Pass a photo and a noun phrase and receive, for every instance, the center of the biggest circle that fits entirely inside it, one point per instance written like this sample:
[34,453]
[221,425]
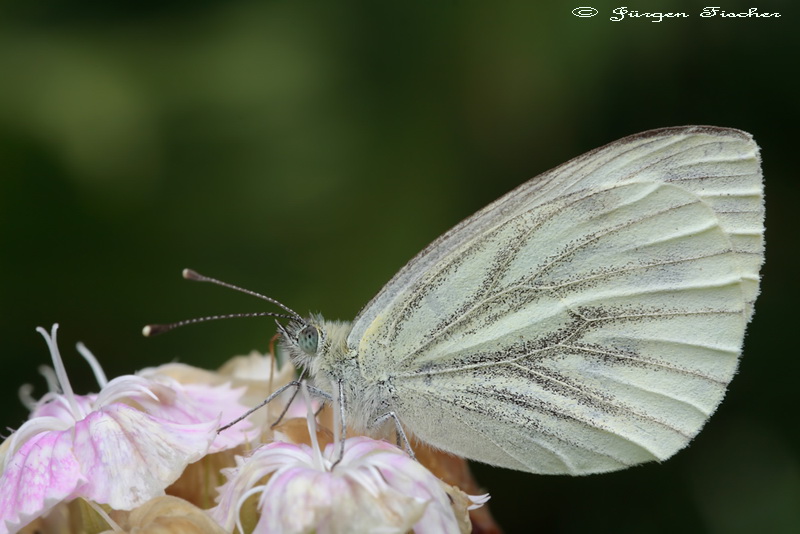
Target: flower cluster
[145,453]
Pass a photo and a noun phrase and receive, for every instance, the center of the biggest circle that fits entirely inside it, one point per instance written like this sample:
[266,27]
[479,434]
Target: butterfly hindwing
[589,319]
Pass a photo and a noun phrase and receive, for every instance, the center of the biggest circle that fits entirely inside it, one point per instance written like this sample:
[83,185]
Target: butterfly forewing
[588,320]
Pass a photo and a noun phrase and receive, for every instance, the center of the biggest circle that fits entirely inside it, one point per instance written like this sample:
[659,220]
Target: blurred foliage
[306,150]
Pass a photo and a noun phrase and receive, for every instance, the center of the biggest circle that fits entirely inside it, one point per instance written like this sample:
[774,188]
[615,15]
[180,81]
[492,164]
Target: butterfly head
[308,339]
[316,344]
[303,340]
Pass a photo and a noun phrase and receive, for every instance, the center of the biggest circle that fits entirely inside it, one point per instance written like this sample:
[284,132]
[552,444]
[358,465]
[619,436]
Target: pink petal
[129,457]
[249,471]
[223,402]
[195,403]
[412,479]
[59,407]
[42,473]
[403,475]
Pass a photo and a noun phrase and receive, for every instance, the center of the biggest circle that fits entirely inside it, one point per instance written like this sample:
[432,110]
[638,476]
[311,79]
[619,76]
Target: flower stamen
[61,372]
[99,374]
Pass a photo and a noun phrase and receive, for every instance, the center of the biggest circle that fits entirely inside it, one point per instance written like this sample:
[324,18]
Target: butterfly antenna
[155,329]
[190,274]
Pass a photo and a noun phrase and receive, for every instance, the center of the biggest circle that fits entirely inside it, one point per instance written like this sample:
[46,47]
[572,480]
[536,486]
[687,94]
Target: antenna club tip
[152,330]
[190,274]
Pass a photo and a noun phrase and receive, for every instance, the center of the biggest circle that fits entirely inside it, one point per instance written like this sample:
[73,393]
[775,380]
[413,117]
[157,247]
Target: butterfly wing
[588,320]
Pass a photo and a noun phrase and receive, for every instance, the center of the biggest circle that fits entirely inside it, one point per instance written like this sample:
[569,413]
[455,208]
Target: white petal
[130,457]
[42,473]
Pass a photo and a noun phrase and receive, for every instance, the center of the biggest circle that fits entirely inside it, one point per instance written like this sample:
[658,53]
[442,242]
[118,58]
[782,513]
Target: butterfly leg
[402,438]
[342,422]
[293,384]
[288,404]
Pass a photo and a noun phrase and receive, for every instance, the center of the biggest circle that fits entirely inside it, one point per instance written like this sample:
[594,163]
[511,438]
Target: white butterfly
[586,321]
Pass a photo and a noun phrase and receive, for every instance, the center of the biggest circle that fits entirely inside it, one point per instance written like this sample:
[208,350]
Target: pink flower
[120,447]
[131,442]
[376,487]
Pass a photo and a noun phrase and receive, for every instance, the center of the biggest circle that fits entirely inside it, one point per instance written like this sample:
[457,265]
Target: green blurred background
[307,150]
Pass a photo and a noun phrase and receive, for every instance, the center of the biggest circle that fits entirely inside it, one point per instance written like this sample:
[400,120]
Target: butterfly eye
[308,339]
